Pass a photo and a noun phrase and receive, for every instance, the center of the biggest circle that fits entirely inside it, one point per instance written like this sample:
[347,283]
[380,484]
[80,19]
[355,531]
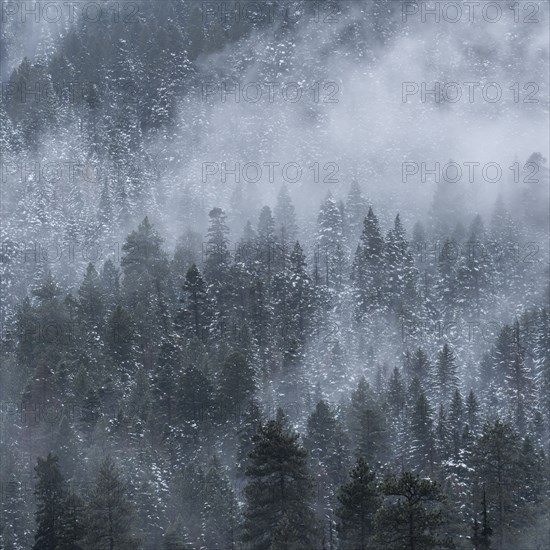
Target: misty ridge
[274,275]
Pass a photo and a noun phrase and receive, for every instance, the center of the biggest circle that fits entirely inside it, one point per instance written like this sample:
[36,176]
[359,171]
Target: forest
[195,359]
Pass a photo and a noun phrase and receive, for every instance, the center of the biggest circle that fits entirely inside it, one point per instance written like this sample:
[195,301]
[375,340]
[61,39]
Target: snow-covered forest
[274,275]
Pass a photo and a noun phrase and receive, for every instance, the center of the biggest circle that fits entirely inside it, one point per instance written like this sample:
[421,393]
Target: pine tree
[497,464]
[443,435]
[446,285]
[400,283]
[420,367]
[73,523]
[249,426]
[542,361]
[109,514]
[359,403]
[472,409]
[359,500]
[368,267]
[90,300]
[373,439]
[237,382]
[327,446]
[481,537]
[216,269]
[422,454]
[194,396]
[356,209]
[456,421]
[476,271]
[278,484]
[269,254]
[447,373]
[217,241]
[286,229]
[220,508]
[194,316]
[517,380]
[176,537]
[50,495]
[396,393]
[120,336]
[411,517]
[331,249]
[146,287]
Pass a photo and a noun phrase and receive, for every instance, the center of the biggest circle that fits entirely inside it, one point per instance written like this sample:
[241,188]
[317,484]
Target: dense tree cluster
[190,367]
[196,386]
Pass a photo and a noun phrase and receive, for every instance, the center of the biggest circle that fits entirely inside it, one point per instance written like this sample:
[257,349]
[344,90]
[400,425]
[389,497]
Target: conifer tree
[50,494]
[481,537]
[331,249]
[498,467]
[422,436]
[368,267]
[220,507]
[400,283]
[359,501]
[237,382]
[73,523]
[411,517]
[110,513]
[396,393]
[278,486]
[356,209]
[194,316]
[447,374]
[286,229]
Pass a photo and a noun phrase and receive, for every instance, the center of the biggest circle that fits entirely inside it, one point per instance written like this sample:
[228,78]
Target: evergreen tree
[220,506]
[331,250]
[109,513]
[472,408]
[446,286]
[237,382]
[396,393]
[456,420]
[359,501]
[50,494]
[411,517]
[481,537]
[542,361]
[496,460]
[400,283]
[176,538]
[286,229]
[322,440]
[146,287]
[420,367]
[73,523]
[216,269]
[447,374]
[368,267]
[422,453]
[269,253]
[517,380]
[278,486]
[194,317]
[356,209]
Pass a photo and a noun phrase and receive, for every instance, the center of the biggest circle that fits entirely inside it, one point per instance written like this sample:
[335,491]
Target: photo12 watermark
[70,11]
[261,12]
[469,92]
[470,11]
[254,172]
[269,92]
[468,172]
